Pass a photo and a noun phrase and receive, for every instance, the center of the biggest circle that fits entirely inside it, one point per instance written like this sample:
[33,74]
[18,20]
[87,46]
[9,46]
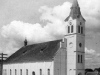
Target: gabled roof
[75,11]
[36,52]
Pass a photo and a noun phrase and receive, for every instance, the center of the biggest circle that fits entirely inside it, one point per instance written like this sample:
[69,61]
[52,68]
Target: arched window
[10,72]
[20,71]
[40,71]
[26,71]
[68,29]
[78,58]
[48,71]
[15,72]
[81,30]
[72,28]
[78,29]
[33,73]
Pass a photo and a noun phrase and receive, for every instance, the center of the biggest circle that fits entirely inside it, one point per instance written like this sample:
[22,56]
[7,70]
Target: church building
[59,57]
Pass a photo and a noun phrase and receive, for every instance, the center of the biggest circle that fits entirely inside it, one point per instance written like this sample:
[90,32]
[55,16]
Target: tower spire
[75,3]
[75,11]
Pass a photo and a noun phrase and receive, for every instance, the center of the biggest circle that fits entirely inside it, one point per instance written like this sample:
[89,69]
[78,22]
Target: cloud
[54,28]
[91,11]
[8,48]
[91,58]
[89,51]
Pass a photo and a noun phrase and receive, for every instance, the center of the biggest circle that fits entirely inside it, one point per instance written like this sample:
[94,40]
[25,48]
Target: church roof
[75,11]
[36,52]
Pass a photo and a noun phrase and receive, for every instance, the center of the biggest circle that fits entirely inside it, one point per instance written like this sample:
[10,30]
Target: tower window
[78,58]
[68,29]
[80,44]
[81,30]
[78,29]
[40,71]
[72,28]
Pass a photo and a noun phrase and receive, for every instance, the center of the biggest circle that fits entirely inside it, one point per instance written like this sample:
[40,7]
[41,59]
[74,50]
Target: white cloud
[9,48]
[91,12]
[89,51]
[55,27]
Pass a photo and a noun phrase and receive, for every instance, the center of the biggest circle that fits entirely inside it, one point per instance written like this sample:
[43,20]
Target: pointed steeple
[75,4]
[75,11]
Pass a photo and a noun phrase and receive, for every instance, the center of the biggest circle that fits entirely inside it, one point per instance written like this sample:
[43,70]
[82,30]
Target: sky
[43,20]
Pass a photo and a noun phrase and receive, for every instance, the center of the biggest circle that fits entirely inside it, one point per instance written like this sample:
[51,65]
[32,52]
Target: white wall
[60,60]
[36,66]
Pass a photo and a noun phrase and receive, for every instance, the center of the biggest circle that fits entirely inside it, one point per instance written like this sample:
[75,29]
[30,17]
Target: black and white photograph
[49,37]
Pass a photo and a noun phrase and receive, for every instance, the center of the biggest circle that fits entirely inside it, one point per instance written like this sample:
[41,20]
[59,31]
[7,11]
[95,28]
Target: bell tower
[75,41]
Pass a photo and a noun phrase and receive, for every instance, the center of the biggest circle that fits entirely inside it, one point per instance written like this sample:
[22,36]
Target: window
[20,71]
[10,72]
[15,72]
[72,28]
[80,44]
[80,23]
[78,29]
[78,58]
[81,30]
[33,73]
[81,59]
[48,71]
[40,71]
[26,71]
[68,29]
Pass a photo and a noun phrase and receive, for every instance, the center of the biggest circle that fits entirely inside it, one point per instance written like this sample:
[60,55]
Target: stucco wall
[60,60]
[36,66]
